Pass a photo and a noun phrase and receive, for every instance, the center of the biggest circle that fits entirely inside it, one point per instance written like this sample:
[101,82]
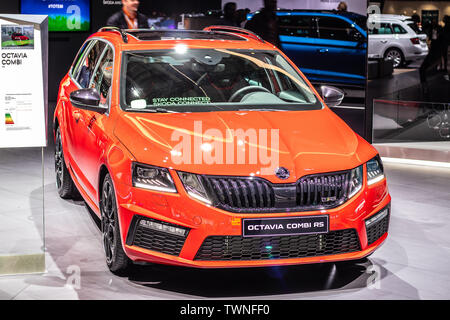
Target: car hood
[304,142]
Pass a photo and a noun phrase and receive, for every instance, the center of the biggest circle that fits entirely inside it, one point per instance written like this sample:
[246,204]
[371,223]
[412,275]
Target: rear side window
[297,26]
[103,75]
[385,28]
[88,63]
[334,28]
[398,29]
[415,27]
[78,62]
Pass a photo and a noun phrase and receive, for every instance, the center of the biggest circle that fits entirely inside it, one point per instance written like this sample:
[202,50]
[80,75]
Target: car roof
[350,17]
[348,14]
[396,17]
[211,37]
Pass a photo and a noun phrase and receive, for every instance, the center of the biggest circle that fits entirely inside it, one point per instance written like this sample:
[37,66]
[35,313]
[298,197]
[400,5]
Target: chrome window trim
[97,65]
[91,80]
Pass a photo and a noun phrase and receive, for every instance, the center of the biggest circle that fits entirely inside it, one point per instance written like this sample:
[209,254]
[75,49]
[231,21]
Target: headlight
[152,178]
[375,170]
[194,186]
[355,181]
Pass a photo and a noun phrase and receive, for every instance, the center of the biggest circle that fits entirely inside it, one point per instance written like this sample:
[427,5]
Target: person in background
[265,24]
[415,18]
[417,27]
[128,17]
[342,7]
[434,56]
[445,34]
[229,15]
[241,17]
[433,34]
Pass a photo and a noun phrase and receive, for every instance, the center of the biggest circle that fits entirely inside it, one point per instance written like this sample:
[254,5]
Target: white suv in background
[397,38]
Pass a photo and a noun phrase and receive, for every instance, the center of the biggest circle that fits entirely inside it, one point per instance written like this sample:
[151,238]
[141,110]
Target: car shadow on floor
[246,282]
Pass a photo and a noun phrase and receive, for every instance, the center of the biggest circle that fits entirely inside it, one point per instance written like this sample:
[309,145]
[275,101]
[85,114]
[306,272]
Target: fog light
[377,217]
[163,228]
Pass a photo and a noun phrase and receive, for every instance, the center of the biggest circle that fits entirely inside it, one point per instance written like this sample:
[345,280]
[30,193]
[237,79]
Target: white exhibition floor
[412,264]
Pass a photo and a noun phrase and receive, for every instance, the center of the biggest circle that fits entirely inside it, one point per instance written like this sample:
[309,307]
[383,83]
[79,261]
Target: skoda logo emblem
[282,173]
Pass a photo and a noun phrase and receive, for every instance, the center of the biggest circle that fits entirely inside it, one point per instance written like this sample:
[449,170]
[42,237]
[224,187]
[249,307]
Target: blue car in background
[327,47]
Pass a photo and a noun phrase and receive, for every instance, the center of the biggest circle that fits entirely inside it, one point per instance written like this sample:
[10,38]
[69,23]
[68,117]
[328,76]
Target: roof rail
[123,34]
[237,30]
[307,10]
[310,10]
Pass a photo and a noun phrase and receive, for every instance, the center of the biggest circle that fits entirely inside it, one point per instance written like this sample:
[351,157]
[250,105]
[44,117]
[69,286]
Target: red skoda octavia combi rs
[19,37]
[211,149]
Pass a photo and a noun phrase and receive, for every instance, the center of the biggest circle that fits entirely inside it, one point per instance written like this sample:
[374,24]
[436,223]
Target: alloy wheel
[59,161]
[395,56]
[108,209]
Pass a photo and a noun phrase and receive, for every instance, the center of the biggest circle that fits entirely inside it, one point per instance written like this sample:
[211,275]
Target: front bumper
[204,221]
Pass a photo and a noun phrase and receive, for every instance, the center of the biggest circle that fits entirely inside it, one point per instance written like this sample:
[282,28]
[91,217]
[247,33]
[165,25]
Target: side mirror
[88,99]
[332,95]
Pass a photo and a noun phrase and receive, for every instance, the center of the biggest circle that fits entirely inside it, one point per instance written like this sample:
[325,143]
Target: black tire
[396,55]
[64,184]
[116,259]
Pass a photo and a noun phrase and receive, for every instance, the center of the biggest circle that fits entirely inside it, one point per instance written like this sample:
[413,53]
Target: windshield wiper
[152,110]
[262,109]
[162,110]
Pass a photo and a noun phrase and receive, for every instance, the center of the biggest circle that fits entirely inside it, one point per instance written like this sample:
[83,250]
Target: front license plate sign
[261,227]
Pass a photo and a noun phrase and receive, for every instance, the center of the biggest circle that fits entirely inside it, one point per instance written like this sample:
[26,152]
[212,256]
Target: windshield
[197,80]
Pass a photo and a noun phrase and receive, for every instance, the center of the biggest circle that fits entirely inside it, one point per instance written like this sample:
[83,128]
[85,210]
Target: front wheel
[116,259]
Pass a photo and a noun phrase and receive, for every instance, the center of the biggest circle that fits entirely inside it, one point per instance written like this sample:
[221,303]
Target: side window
[88,64]
[398,29]
[79,59]
[334,28]
[103,75]
[297,26]
[385,28]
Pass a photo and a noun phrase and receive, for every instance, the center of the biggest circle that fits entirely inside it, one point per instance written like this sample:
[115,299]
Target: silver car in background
[397,38]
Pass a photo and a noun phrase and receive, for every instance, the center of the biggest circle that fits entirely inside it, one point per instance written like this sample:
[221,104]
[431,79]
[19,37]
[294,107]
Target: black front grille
[241,192]
[322,190]
[216,248]
[257,195]
[376,230]
[150,239]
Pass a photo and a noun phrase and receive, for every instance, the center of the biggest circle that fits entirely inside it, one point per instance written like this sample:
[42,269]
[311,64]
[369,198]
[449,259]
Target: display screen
[63,15]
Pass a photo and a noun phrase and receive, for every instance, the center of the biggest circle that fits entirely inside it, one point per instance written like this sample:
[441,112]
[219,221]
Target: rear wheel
[64,184]
[116,259]
[396,56]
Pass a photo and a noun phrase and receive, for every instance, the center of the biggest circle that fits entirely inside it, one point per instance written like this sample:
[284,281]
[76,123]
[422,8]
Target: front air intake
[377,225]
[156,235]
[217,248]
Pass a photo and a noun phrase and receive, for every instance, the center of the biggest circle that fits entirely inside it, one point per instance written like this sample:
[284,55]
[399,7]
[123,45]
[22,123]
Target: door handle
[77,115]
[383,41]
[322,50]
